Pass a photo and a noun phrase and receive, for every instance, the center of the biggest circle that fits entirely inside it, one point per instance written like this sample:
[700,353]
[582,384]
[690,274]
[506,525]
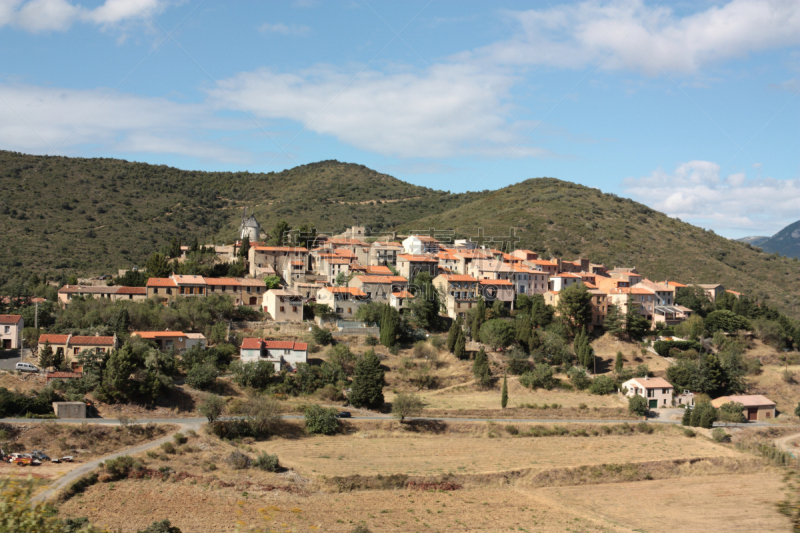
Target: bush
[371,340]
[321,420]
[406,405]
[202,377]
[689,432]
[163,526]
[518,362]
[663,348]
[168,447]
[578,378]
[239,461]
[732,412]
[602,385]
[212,407]
[718,434]
[256,374]
[267,462]
[702,415]
[120,467]
[321,336]
[637,405]
[438,342]
[330,393]
[541,377]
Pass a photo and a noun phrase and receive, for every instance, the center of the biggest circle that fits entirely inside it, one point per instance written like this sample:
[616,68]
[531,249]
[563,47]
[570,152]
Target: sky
[690,107]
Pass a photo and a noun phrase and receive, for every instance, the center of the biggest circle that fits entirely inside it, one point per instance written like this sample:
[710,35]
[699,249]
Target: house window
[8,329]
[281,309]
[76,351]
[651,393]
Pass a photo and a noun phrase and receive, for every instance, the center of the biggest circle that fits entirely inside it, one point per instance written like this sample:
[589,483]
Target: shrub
[330,393]
[179,439]
[541,377]
[512,429]
[438,342]
[602,385]
[238,460]
[120,467]
[321,336]
[168,447]
[732,412]
[162,526]
[642,371]
[211,407]
[256,374]
[202,377]
[689,432]
[371,340]
[663,348]
[702,415]
[637,405]
[643,427]
[267,462]
[718,434]
[578,378]
[321,420]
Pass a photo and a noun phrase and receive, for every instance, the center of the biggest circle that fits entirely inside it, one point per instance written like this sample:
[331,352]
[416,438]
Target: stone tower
[250,228]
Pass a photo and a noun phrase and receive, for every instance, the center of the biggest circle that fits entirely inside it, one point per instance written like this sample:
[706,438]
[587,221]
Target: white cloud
[630,34]
[698,193]
[283,29]
[446,110]
[63,121]
[59,15]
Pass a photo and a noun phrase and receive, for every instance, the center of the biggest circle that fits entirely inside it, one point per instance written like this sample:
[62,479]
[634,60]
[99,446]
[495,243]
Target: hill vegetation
[61,216]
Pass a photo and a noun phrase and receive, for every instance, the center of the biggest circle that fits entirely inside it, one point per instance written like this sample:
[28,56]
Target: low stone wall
[357,331]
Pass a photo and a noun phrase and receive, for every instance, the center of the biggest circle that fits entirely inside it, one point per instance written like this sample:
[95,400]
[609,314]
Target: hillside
[91,216]
[563,219]
[755,240]
[785,242]
[69,215]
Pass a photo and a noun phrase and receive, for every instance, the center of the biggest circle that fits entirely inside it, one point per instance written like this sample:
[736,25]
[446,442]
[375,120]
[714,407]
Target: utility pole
[36,317]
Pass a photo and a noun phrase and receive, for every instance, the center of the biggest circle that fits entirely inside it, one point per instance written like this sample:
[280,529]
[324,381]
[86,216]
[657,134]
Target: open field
[771,384]
[369,455]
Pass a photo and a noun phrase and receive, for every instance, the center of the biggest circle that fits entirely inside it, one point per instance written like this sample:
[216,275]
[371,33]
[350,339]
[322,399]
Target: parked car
[344,414]
[26,367]
[26,460]
[40,455]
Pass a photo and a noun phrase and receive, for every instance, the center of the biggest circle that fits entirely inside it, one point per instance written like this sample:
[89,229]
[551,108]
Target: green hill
[91,216]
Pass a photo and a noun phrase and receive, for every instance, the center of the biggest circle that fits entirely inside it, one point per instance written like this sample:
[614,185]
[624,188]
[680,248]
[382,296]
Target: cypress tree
[46,357]
[478,318]
[390,323]
[504,394]
[452,335]
[480,368]
[687,417]
[460,349]
[618,363]
[368,382]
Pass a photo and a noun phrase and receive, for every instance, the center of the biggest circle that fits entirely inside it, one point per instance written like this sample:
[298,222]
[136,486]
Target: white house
[279,353]
[420,244]
[658,391]
[11,327]
[562,281]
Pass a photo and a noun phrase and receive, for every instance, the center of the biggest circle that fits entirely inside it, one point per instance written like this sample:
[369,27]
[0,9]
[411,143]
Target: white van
[26,367]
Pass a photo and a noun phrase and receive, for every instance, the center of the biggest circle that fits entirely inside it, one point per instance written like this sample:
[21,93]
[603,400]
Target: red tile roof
[379,270]
[417,258]
[10,319]
[279,249]
[458,277]
[158,334]
[53,339]
[91,340]
[495,282]
[381,279]
[132,290]
[653,383]
[285,345]
[251,344]
[222,281]
[403,294]
[353,291]
[161,282]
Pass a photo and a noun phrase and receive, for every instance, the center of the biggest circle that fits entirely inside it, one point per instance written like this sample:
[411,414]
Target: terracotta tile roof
[416,258]
[653,383]
[222,281]
[753,400]
[425,238]
[542,262]
[566,275]
[403,294]
[388,244]
[91,340]
[10,319]
[251,344]
[458,277]
[676,284]
[337,261]
[158,334]
[87,289]
[379,270]
[161,282]
[249,282]
[381,279]
[132,290]
[352,291]
[495,282]
[188,280]
[285,345]
[53,339]
[279,249]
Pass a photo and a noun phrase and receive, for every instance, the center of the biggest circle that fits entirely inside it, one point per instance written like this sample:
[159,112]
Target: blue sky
[689,107]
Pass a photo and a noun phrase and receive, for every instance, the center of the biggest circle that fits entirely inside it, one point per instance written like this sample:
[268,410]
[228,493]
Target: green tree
[211,407]
[272,282]
[480,368]
[405,405]
[46,356]
[732,412]
[613,322]
[321,336]
[452,335]
[635,324]
[694,298]
[575,308]
[321,420]
[727,321]
[390,326]
[460,349]
[120,365]
[202,377]
[219,333]
[602,385]
[368,382]
[257,375]
[583,349]
[497,333]
[158,266]
[425,306]
[244,250]
[541,313]
[692,328]
[619,363]
[278,234]
[637,405]
[478,317]
[499,309]
[578,378]
[504,393]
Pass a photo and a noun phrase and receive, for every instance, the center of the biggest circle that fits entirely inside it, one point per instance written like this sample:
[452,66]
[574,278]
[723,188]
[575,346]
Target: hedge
[662,348]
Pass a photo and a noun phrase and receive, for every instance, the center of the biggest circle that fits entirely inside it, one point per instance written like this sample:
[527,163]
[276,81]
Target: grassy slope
[92,216]
[569,220]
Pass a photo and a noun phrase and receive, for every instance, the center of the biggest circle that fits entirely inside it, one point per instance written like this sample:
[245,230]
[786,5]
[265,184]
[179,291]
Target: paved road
[9,359]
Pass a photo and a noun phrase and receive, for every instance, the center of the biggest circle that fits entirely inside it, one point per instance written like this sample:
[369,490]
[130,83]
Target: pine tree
[244,251]
[452,335]
[619,362]
[46,356]
[478,317]
[504,394]
[58,360]
[480,368]
[613,321]
[368,382]
[460,349]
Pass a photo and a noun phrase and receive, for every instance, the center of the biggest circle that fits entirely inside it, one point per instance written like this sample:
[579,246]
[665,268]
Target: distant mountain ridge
[785,242]
[754,240]
[65,216]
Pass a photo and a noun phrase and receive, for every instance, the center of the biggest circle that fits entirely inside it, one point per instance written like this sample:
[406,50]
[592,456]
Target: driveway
[9,359]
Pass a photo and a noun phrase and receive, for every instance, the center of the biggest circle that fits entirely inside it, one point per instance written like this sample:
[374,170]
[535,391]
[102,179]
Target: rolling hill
[69,215]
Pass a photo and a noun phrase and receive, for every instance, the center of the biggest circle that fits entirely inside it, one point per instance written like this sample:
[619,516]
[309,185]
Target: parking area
[9,358]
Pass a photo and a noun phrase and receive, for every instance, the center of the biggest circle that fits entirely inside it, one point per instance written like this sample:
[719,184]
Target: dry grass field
[771,384]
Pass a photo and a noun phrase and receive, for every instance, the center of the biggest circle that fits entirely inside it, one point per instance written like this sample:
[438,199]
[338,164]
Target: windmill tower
[249,227]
